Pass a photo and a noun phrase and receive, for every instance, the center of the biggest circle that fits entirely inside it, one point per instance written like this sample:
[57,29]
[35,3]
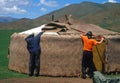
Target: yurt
[61,47]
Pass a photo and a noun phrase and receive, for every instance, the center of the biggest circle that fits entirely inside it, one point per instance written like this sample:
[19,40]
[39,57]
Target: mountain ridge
[105,15]
[7,19]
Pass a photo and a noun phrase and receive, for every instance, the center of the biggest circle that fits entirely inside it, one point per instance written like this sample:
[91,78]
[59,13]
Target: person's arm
[40,33]
[101,40]
[83,34]
[29,37]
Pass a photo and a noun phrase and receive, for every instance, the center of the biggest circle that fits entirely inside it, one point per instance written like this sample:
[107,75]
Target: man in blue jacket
[34,48]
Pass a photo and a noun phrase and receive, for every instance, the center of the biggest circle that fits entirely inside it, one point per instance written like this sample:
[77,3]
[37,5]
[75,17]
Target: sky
[36,8]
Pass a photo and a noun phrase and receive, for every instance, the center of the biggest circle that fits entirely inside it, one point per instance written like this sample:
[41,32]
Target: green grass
[4,43]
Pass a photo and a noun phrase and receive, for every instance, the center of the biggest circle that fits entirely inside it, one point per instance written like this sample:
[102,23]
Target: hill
[22,24]
[104,15]
[7,19]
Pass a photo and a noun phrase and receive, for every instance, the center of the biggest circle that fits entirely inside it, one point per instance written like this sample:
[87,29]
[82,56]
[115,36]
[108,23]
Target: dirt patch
[46,80]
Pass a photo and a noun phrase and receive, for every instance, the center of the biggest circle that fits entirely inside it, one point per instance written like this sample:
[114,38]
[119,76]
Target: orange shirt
[88,43]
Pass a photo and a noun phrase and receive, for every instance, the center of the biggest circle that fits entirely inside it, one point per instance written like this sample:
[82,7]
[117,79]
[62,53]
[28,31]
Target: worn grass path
[46,80]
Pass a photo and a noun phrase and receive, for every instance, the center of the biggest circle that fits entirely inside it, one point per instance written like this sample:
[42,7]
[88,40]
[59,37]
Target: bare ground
[46,80]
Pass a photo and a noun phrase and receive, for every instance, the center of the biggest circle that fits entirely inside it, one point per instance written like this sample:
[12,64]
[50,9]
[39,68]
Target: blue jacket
[33,42]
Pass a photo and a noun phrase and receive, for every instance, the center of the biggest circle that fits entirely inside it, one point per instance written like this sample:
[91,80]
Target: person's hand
[100,37]
[84,33]
[43,30]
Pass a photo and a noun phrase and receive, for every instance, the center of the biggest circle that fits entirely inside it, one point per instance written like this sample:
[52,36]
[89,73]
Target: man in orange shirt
[87,60]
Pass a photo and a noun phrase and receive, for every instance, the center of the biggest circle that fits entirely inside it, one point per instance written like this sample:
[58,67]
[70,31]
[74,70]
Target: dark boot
[83,73]
[36,75]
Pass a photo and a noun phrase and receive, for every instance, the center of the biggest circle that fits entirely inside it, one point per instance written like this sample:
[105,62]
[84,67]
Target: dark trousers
[34,63]
[87,62]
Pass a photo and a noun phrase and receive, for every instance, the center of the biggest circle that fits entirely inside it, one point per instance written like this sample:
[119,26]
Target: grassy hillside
[4,43]
[105,15]
[19,24]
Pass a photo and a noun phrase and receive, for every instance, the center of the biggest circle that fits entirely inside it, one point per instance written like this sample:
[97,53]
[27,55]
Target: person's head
[31,35]
[89,34]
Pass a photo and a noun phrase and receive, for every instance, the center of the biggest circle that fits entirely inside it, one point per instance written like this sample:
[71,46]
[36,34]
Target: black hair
[89,34]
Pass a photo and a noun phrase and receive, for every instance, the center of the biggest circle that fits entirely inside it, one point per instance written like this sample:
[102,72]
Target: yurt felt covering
[61,55]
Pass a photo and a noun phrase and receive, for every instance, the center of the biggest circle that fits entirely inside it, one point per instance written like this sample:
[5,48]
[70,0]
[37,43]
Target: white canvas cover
[37,30]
